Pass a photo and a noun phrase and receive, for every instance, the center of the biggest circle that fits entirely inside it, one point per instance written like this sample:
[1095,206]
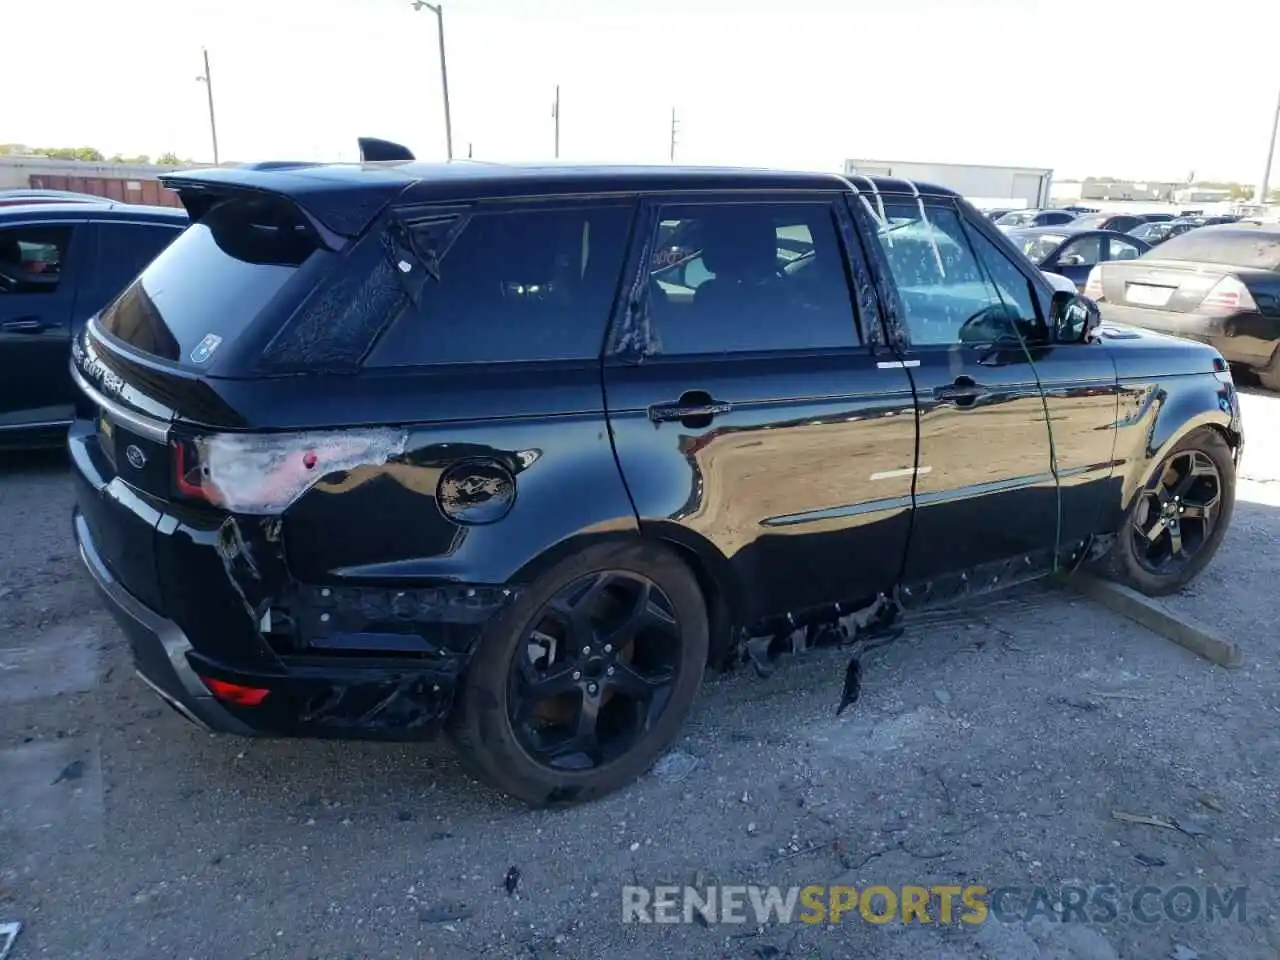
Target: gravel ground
[990,746]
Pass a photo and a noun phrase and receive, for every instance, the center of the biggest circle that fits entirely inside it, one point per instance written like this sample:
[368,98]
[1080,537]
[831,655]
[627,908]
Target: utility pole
[207,79]
[555,113]
[1271,153]
[674,126]
[444,71]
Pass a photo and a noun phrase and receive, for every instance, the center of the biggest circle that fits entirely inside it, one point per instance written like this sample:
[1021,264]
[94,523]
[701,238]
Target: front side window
[511,285]
[949,296]
[32,258]
[737,277]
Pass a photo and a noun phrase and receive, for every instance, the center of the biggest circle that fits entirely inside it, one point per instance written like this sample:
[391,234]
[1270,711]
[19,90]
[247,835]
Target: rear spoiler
[339,200]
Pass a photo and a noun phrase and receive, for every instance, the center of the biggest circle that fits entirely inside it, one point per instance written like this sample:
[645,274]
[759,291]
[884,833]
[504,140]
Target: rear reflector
[235,693]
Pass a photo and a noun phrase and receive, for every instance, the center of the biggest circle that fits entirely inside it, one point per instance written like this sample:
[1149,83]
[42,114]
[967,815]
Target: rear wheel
[1176,523]
[577,688]
[1269,376]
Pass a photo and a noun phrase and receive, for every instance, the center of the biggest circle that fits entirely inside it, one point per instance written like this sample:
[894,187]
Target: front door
[752,415]
[40,264]
[985,490]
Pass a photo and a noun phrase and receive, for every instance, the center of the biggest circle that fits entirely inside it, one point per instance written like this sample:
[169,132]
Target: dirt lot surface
[990,747]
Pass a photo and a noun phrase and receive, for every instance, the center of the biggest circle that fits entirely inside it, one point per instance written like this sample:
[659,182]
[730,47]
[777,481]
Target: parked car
[1217,284]
[25,196]
[59,263]
[997,213]
[1155,217]
[378,449]
[1073,251]
[1035,218]
[1156,233]
[1076,209]
[1115,222]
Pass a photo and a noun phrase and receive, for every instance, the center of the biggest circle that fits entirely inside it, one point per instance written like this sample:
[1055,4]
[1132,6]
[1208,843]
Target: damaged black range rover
[518,451]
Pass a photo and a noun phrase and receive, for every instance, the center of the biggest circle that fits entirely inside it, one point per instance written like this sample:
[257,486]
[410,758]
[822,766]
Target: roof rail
[373,150]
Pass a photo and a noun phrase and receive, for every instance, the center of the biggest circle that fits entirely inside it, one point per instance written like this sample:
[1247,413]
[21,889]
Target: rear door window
[513,285]
[206,287]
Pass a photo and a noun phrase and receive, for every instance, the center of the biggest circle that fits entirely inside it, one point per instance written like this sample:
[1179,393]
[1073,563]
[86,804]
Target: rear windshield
[207,286]
[1232,247]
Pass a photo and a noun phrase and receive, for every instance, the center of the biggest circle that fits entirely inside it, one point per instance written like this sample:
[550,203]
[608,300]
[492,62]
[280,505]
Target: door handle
[964,392]
[23,325]
[694,409]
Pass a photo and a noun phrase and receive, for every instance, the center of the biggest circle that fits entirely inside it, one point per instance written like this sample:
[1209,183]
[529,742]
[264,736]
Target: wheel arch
[720,586]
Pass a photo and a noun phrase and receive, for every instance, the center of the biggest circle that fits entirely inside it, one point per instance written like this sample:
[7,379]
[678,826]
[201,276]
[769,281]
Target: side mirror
[1075,318]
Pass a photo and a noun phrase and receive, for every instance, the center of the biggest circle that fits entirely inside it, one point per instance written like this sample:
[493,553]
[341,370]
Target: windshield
[1036,247]
[210,283]
[1234,247]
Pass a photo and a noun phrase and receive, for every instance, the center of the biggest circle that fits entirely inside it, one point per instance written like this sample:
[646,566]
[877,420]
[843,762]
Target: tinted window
[535,284]
[32,258]
[124,249]
[1225,245]
[942,283]
[1054,217]
[1012,285]
[744,277]
[209,284]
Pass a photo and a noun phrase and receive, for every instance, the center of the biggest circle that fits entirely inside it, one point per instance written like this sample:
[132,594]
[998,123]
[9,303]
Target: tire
[1125,562]
[497,747]
[1269,376]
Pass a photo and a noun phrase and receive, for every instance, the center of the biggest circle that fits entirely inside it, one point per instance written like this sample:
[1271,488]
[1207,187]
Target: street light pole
[207,79]
[438,10]
[1271,152]
[555,113]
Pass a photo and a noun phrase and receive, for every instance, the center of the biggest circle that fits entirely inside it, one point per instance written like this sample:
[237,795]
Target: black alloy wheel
[1177,512]
[1176,521]
[576,688]
[594,671]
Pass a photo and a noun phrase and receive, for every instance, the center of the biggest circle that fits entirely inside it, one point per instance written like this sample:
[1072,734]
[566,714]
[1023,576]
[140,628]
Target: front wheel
[576,689]
[1176,523]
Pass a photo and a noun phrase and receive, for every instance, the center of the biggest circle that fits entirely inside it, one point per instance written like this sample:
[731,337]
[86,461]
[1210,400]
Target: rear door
[985,491]
[41,264]
[753,409]
[1080,255]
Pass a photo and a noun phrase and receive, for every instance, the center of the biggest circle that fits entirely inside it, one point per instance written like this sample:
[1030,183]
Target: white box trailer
[981,185]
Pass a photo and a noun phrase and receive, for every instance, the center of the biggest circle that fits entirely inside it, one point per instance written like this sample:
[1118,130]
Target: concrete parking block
[61,660]
[1157,617]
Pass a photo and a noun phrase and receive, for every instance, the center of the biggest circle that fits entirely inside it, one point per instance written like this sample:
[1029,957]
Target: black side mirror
[1075,318]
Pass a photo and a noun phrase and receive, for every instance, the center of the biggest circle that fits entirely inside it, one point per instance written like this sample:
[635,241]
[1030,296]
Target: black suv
[59,263]
[518,451]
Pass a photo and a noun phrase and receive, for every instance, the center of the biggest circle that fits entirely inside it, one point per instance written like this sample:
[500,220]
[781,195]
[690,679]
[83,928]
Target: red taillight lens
[266,473]
[1228,295]
[235,693]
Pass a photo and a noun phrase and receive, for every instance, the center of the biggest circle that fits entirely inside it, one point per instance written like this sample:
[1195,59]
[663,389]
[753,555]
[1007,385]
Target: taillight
[1228,295]
[236,693]
[1093,286]
[266,473]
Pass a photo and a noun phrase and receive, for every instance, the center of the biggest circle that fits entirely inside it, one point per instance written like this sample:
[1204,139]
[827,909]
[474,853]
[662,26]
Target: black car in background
[1073,251]
[519,450]
[1155,233]
[1217,284]
[1115,222]
[60,263]
[1035,218]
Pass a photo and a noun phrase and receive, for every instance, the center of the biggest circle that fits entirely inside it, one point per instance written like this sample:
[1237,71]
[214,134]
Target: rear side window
[1233,247]
[208,285]
[124,249]
[512,285]
[32,258]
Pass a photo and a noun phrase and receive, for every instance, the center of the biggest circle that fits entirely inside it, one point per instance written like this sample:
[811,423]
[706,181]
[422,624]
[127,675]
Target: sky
[1123,88]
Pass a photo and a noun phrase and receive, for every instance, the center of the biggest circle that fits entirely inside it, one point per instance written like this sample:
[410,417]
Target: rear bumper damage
[323,691]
